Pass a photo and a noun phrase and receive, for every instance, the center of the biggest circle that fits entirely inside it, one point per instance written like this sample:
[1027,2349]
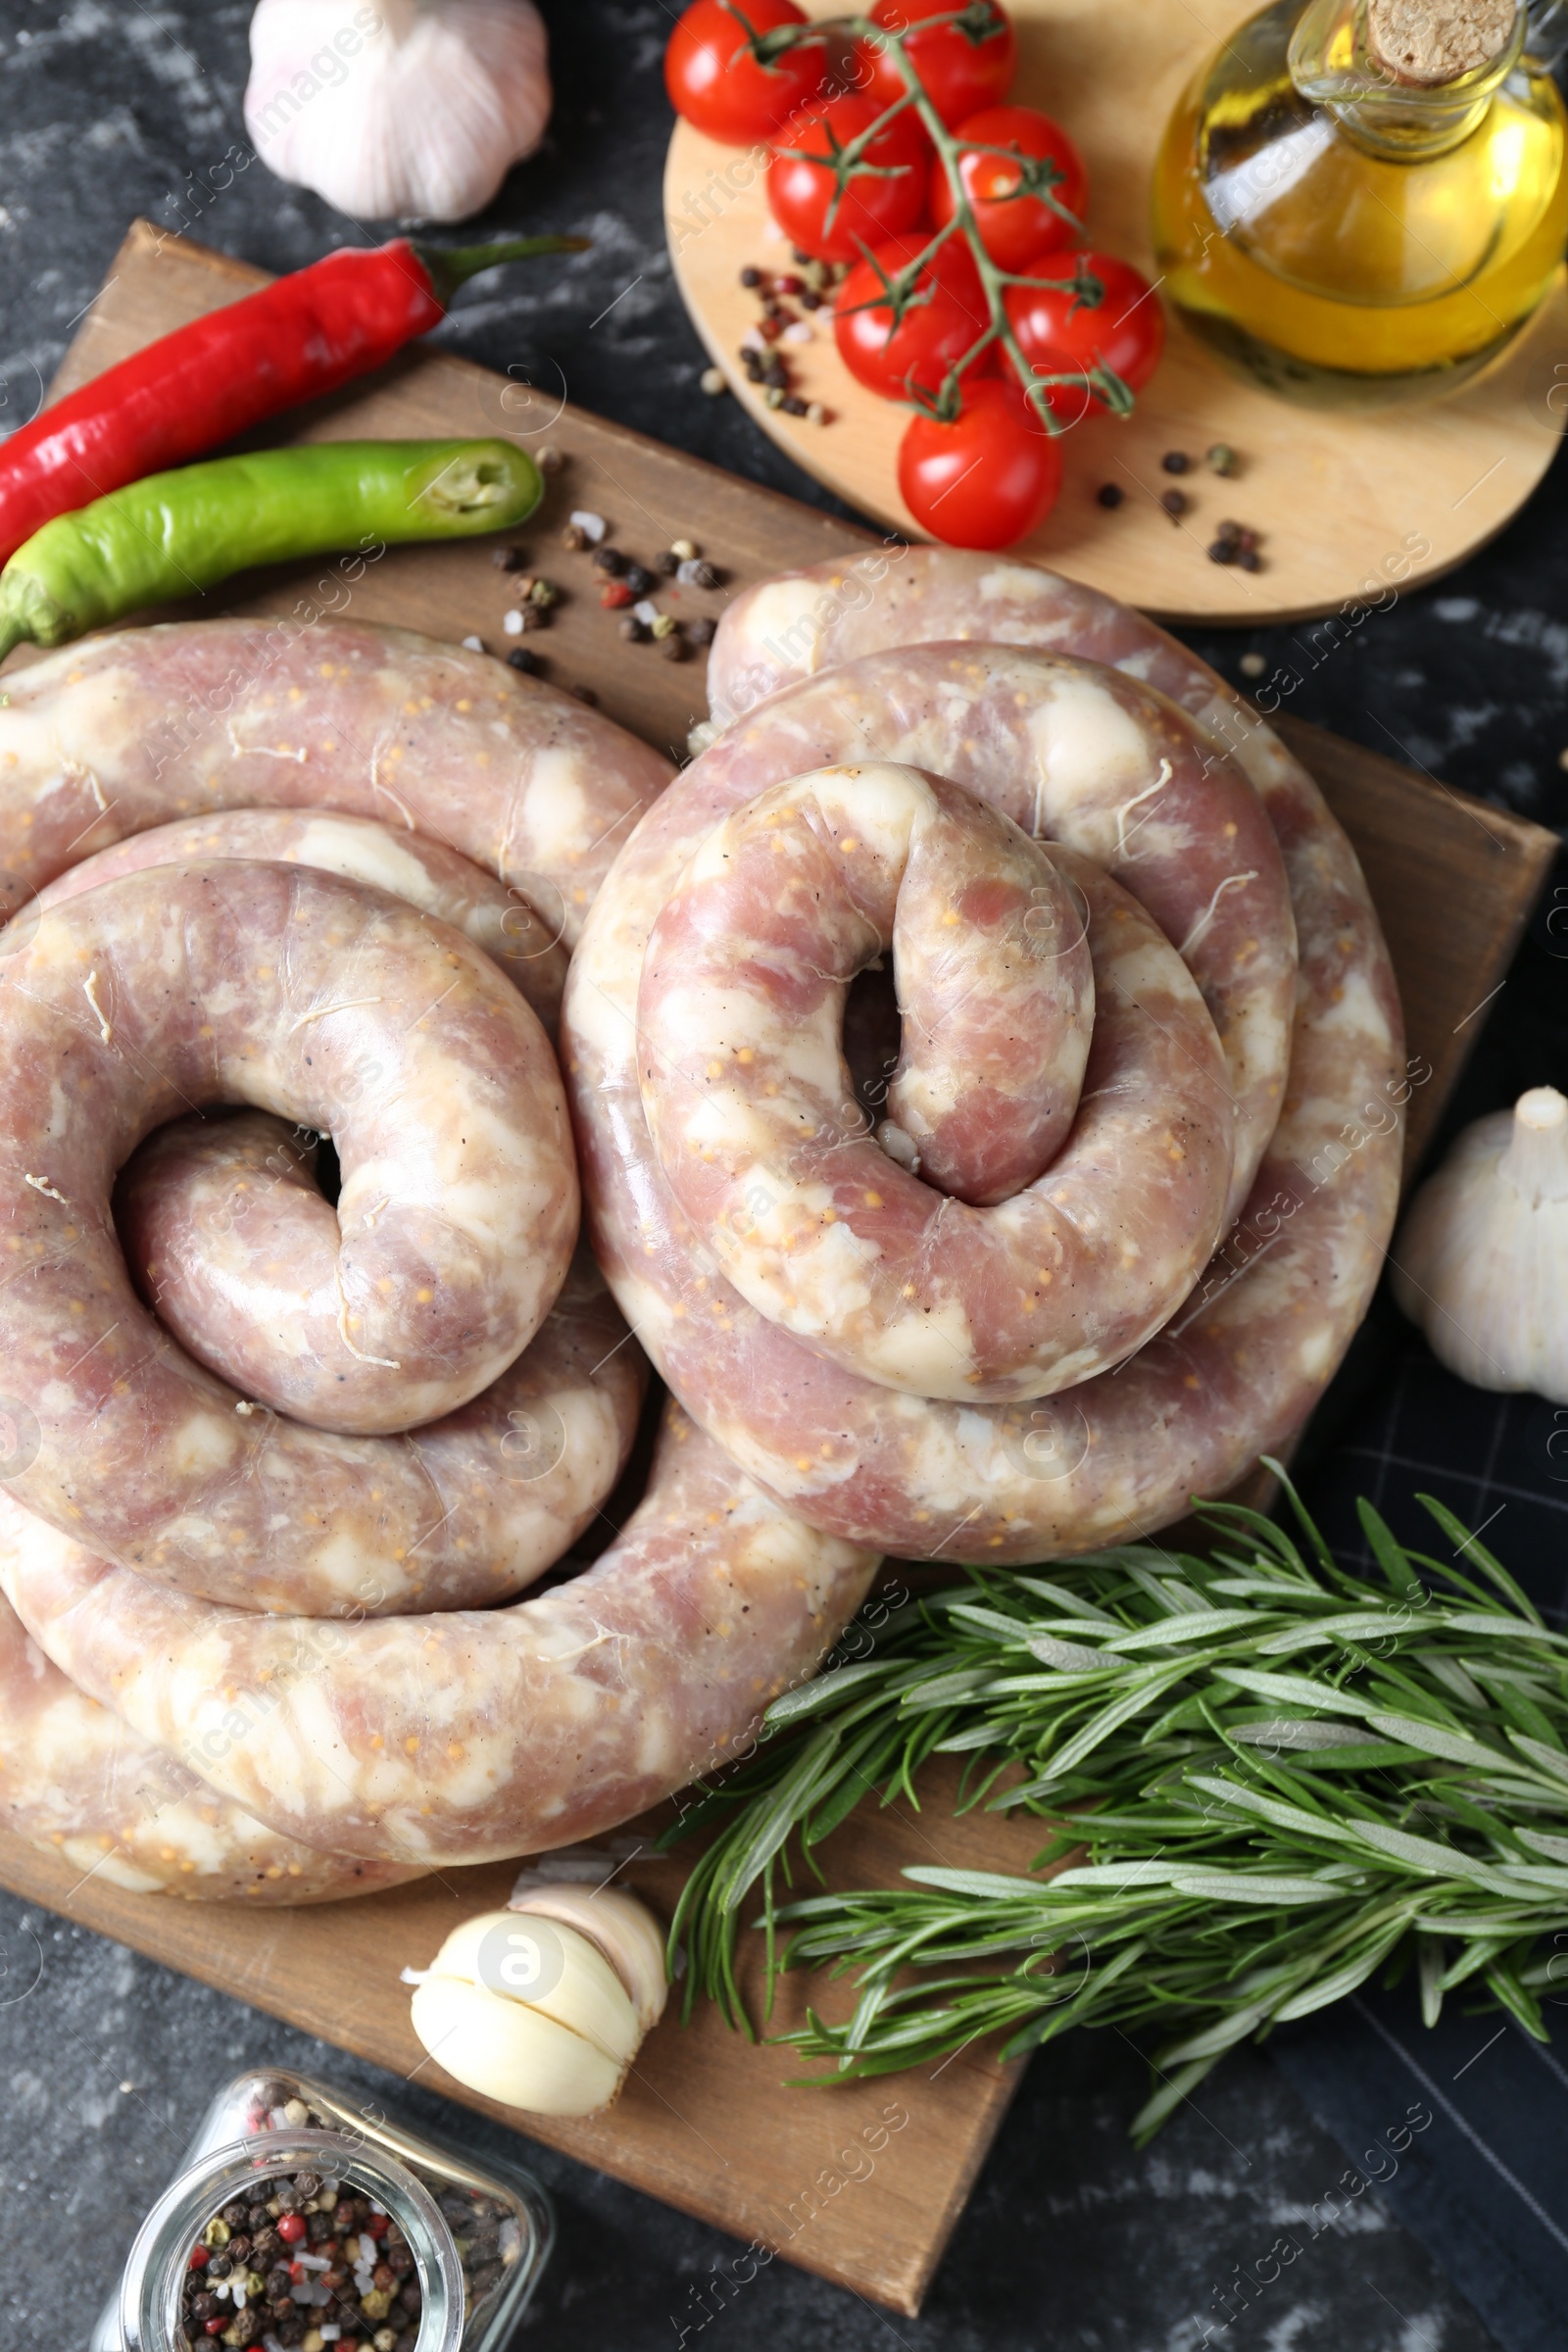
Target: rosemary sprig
[1264,1777]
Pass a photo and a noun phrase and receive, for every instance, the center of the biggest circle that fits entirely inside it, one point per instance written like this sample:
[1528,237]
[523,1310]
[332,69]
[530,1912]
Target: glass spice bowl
[470,2240]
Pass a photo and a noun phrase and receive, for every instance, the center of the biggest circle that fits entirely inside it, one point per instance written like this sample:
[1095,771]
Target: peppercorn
[788,285]
[573,538]
[774,396]
[811,300]
[713,381]
[278,2282]
[505,558]
[1222,458]
[673,646]
[1110,493]
[684,550]
[519,658]
[291,2227]
[1249,559]
[318,2228]
[793,405]
[776,375]
[585,694]
[1175,503]
[548,460]
[639,579]
[544,594]
[1176,461]
[750,276]
[632,629]
[770,329]
[1223,551]
[667,562]
[611,560]
[816,414]
[665,624]
[701,630]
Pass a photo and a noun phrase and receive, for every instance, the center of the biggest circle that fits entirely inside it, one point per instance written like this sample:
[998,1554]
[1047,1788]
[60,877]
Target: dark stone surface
[115,108]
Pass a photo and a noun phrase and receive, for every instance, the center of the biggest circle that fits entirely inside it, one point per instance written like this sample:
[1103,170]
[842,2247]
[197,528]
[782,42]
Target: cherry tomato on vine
[988,478]
[718,87]
[1060,323]
[945,316]
[882,194]
[1015,222]
[961,71]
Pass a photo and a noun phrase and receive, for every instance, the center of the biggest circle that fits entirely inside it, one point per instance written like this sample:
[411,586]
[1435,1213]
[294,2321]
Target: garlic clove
[1480,1263]
[411,108]
[554,1971]
[624,1929]
[510,2052]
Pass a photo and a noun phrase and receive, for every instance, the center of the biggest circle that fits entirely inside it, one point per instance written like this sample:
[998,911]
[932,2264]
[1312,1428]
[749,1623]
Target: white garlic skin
[1481,1262]
[398,108]
[561,2043]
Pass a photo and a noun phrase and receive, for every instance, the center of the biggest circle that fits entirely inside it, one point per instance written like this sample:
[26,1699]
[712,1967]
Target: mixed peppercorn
[303,2262]
[811,284]
[298,2261]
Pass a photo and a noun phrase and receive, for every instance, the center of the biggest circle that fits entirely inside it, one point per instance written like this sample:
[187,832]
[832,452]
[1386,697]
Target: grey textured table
[114,108]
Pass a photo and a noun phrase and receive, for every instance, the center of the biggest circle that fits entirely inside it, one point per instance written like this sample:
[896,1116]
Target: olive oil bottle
[1363,201]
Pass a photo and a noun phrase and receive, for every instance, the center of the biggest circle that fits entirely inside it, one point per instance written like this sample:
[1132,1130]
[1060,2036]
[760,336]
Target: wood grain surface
[1336,498]
[706,2123]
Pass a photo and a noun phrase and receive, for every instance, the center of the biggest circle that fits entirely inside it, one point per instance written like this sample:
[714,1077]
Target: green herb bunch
[1264,1777]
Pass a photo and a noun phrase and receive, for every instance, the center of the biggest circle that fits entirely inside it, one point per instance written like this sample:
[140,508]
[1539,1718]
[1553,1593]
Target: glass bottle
[479,2234]
[1346,235]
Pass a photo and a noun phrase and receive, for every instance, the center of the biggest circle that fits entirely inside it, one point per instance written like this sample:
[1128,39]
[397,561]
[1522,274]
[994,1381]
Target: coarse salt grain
[512,623]
[370,2252]
[475,645]
[313,2262]
[753,340]
[800,331]
[647,612]
[592,526]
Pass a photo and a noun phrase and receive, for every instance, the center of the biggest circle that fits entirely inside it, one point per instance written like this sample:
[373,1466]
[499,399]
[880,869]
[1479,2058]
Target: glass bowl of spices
[302,2221]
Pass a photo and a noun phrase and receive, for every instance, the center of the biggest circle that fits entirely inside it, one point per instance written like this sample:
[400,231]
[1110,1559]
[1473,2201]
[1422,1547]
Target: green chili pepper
[176,533]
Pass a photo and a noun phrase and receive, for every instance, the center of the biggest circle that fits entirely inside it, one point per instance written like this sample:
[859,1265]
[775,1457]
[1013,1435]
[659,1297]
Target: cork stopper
[1432,41]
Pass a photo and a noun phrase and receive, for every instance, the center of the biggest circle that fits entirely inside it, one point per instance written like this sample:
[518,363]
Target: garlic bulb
[544,2005]
[398,108]
[1482,1264]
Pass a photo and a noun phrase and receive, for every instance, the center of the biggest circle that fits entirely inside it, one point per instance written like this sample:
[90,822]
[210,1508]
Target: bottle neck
[1335,64]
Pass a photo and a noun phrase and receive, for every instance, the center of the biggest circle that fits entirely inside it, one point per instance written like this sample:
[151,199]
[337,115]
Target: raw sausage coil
[378,1408]
[1248,876]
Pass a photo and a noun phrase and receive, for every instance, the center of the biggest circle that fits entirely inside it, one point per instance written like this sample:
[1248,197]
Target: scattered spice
[673,646]
[573,539]
[1110,493]
[542,593]
[1176,461]
[592,526]
[663,624]
[521,659]
[638,579]
[1252,665]
[473,644]
[608,558]
[684,550]
[509,559]
[703,630]
[667,562]
[1175,503]
[633,630]
[714,381]
[816,414]
[586,694]
[512,622]
[613,594]
[1235,543]
[774,396]
[695,574]
[793,405]
[750,276]
[550,459]
[1222,458]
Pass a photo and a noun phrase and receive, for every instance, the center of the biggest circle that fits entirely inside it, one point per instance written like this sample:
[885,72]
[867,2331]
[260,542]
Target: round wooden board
[1346,505]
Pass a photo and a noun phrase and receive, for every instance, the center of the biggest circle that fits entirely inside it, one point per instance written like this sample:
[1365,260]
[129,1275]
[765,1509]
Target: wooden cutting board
[836,2183]
[1338,498]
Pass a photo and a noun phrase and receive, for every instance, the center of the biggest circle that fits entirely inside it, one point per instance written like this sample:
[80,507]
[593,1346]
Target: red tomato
[946,315]
[716,84]
[986,480]
[1014,222]
[803,191]
[1058,327]
[961,72]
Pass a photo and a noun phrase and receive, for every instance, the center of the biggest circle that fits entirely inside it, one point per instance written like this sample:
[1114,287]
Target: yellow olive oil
[1343,240]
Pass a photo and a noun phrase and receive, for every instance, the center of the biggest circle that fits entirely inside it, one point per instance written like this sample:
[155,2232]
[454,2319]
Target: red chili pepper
[294,340]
